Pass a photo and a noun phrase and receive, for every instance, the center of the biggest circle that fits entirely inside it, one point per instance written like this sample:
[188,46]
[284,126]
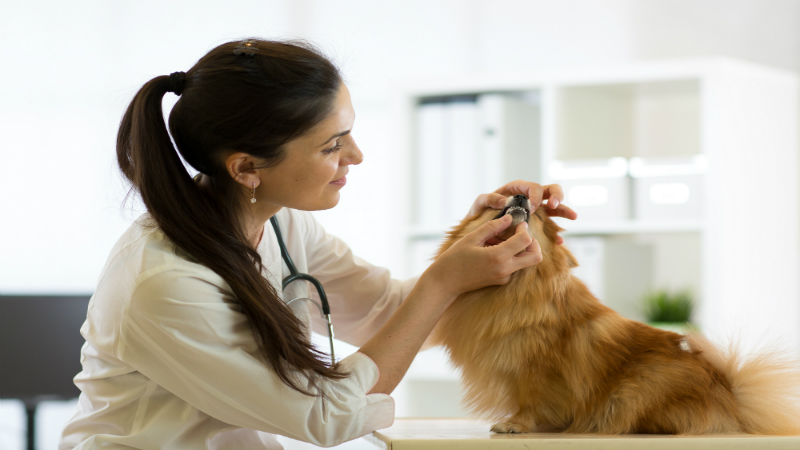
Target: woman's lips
[340,182]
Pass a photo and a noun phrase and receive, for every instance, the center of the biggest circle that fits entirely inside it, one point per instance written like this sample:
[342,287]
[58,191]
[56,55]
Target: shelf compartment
[630,226]
[627,120]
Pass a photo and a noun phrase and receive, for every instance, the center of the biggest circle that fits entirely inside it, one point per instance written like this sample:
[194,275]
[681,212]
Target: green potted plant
[669,310]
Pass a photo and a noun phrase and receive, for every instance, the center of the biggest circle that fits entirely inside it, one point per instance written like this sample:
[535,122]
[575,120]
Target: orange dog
[541,353]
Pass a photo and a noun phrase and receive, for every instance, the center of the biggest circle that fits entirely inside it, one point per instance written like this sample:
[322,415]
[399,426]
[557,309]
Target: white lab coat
[170,362]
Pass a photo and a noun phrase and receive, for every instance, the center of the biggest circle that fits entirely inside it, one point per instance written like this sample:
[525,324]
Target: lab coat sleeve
[185,333]
[362,296]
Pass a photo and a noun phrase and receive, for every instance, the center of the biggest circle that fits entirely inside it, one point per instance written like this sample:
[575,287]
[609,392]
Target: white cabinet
[738,254]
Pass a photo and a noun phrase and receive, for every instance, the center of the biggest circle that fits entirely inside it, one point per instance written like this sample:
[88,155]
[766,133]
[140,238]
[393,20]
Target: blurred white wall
[68,70]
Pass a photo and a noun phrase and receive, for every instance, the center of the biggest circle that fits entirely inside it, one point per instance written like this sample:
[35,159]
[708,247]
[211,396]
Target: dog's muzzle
[519,207]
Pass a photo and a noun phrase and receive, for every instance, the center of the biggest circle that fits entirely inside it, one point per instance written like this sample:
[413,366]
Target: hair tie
[176,82]
[247,48]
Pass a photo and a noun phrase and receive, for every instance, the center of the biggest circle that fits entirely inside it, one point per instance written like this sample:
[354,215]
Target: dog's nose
[520,198]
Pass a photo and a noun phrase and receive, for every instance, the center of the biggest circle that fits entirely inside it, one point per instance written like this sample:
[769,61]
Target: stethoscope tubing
[295,275]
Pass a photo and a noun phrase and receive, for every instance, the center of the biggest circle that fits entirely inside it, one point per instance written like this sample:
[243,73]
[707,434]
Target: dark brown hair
[230,103]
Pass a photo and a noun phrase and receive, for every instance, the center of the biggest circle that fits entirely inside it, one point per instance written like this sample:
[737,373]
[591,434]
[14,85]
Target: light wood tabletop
[465,434]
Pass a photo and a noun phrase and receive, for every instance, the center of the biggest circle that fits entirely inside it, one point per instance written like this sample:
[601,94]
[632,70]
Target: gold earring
[253,198]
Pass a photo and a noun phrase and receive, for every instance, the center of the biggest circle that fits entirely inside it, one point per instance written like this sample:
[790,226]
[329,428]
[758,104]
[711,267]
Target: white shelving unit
[630,227]
[741,257]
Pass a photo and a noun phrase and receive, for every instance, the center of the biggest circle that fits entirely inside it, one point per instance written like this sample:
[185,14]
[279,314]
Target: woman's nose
[354,155]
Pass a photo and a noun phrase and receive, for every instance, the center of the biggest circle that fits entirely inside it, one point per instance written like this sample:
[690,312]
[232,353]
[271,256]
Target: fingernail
[526,224]
[554,202]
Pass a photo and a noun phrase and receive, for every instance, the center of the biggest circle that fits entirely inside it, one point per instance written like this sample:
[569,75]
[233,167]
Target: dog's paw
[509,427]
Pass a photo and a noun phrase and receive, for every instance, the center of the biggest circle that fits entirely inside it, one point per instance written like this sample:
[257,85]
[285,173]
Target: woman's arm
[362,296]
[395,345]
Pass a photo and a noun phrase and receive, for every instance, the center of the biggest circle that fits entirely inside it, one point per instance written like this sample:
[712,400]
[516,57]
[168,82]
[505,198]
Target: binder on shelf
[447,162]
[462,161]
[492,133]
[430,164]
[468,146]
[510,139]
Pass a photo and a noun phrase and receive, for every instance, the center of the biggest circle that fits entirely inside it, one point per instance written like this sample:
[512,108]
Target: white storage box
[598,190]
[668,188]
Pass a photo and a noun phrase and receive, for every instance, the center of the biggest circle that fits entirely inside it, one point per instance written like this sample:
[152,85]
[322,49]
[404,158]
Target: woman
[189,344]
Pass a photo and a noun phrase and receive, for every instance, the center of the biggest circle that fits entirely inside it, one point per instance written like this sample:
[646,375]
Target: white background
[68,70]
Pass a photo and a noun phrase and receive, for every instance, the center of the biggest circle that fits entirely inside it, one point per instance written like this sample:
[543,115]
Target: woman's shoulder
[144,251]
[144,272]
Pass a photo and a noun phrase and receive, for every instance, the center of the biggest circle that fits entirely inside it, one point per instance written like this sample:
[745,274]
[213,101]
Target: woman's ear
[242,167]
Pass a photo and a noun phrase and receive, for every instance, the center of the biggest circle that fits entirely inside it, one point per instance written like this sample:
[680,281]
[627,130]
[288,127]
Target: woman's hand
[536,194]
[471,264]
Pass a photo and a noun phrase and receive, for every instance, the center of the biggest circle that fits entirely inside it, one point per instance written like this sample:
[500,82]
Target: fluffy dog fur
[541,353]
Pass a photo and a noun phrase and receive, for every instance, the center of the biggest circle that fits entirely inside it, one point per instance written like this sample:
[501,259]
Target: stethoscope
[294,275]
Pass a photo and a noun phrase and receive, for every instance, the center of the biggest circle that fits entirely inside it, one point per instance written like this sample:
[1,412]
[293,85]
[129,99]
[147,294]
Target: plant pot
[675,327]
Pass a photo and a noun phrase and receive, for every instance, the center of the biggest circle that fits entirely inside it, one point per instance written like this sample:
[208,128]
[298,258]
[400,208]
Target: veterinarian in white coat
[188,342]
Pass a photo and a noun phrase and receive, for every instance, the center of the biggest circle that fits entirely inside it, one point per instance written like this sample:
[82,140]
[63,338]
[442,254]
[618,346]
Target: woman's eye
[333,149]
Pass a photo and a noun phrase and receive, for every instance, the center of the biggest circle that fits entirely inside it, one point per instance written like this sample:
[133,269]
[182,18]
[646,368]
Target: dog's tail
[766,386]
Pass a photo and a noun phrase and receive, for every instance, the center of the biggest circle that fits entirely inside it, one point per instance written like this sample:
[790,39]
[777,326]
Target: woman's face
[315,164]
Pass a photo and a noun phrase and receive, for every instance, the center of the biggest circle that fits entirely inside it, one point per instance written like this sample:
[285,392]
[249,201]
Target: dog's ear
[571,261]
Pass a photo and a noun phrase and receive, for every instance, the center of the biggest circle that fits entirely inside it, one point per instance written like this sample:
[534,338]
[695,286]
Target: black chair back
[40,344]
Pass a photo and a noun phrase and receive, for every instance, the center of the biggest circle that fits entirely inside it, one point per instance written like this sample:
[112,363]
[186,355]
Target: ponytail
[208,225]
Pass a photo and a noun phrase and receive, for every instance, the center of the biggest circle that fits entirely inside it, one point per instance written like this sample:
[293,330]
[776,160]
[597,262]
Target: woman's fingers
[498,201]
[516,243]
[533,246]
[530,257]
[562,211]
[518,251]
[533,191]
[470,264]
[492,200]
[486,201]
[488,230]
[537,194]
[554,195]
